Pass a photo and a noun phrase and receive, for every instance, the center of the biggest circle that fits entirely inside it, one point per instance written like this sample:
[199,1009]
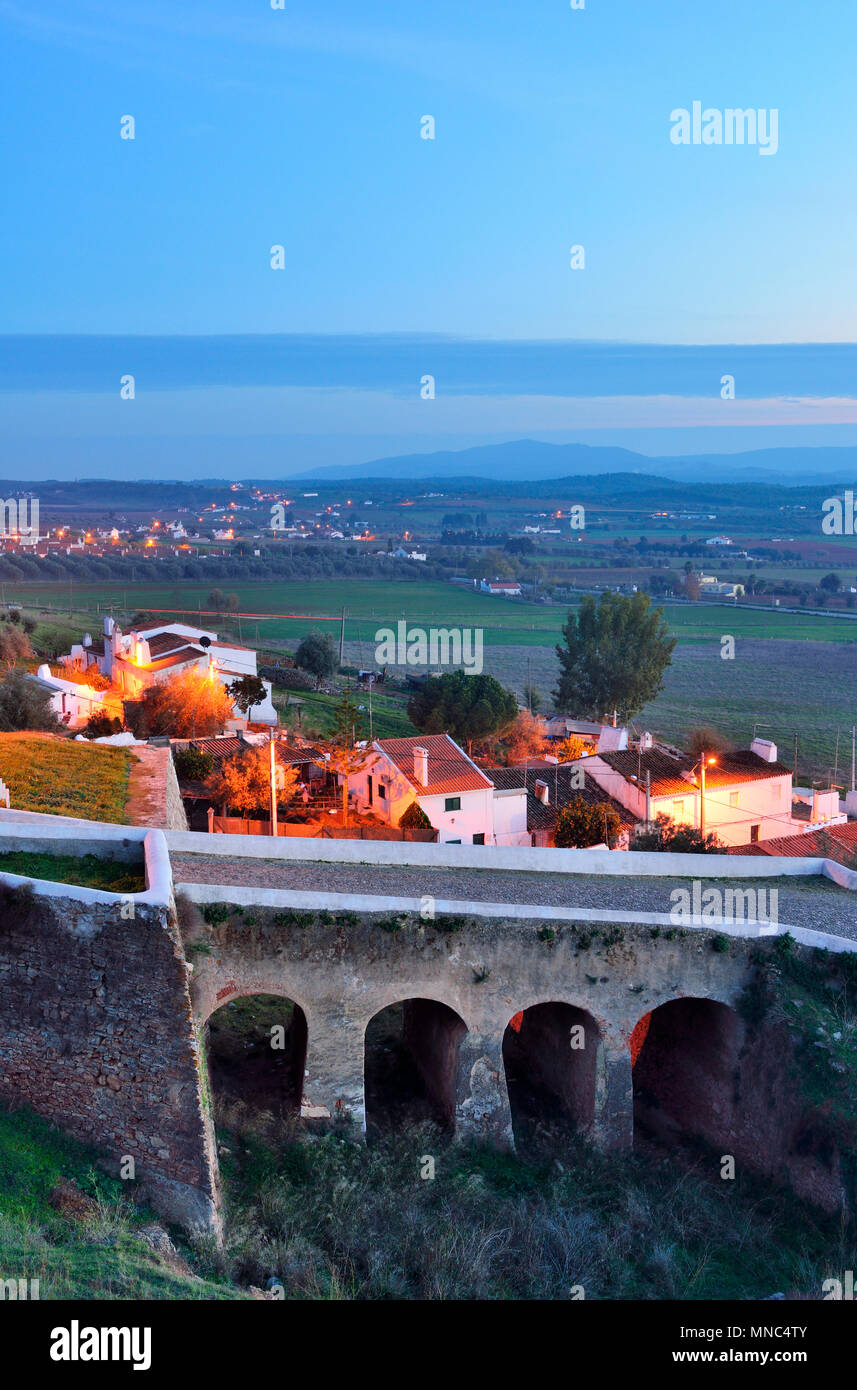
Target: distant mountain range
[530,460]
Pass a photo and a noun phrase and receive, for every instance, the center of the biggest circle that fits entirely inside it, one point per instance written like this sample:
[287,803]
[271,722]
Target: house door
[370,790]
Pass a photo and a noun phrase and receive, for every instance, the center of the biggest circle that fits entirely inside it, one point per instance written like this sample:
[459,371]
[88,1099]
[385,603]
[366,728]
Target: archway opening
[410,1065]
[685,1057]
[550,1055]
[256,1048]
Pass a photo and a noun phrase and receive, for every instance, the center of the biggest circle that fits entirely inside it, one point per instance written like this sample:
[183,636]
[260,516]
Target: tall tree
[243,782]
[468,708]
[614,656]
[247,692]
[345,756]
[317,654]
[193,704]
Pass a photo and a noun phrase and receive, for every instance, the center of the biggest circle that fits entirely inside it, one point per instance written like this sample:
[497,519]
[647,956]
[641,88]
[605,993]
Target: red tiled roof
[837,842]
[449,768]
[666,770]
[562,790]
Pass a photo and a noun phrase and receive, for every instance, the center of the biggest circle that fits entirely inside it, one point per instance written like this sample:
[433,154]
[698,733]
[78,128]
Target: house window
[382,792]
[733,798]
[478,839]
[678,809]
[453,842]
[452,803]
[754,834]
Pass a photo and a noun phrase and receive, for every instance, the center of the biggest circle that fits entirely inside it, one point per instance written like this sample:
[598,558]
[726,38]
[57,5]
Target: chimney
[542,791]
[763,748]
[421,766]
[109,625]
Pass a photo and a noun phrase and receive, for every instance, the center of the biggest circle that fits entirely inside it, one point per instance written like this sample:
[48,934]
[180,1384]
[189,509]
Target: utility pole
[648,797]
[702,796]
[273,784]
[794,766]
[342,639]
[836,756]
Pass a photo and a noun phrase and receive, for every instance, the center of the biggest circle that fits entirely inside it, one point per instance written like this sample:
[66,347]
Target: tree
[525,739]
[101,725]
[243,782]
[533,697]
[570,749]
[614,657]
[345,756]
[581,823]
[414,818]
[468,708]
[317,654]
[192,765]
[193,704]
[247,692]
[831,582]
[670,838]
[217,600]
[24,704]
[704,739]
[14,646]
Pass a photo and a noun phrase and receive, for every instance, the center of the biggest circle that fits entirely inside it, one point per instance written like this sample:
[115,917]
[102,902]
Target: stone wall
[97,1035]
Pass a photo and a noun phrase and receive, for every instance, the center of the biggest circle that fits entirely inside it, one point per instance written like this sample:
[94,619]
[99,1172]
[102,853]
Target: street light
[704,761]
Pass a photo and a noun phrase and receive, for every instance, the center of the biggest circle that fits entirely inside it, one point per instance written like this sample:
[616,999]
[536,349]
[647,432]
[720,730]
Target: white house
[459,799]
[748,793]
[71,702]
[134,660]
[504,588]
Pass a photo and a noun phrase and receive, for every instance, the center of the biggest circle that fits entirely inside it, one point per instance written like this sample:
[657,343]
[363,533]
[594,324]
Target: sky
[301,128]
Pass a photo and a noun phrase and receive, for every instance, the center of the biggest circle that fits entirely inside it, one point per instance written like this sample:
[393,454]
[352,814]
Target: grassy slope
[63,778]
[94,1256]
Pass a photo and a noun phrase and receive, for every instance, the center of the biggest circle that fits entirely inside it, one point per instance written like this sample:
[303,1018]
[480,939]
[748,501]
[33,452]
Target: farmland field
[792,671]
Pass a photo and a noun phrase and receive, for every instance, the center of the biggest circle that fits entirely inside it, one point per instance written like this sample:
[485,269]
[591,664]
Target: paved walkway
[815,903]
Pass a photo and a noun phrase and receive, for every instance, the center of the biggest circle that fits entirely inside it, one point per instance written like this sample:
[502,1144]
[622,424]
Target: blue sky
[301,127]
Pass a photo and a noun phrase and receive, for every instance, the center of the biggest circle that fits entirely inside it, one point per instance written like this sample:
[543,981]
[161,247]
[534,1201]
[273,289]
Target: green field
[370,605]
[793,672]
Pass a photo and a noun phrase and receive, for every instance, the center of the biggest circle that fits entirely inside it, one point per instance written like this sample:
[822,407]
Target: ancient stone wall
[97,1035]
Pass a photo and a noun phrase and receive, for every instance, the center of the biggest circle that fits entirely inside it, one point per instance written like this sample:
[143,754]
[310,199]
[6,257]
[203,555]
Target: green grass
[371,604]
[63,778]
[332,1219]
[87,871]
[389,714]
[97,1255]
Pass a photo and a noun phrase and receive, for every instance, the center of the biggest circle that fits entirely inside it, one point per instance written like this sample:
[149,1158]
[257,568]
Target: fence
[312,830]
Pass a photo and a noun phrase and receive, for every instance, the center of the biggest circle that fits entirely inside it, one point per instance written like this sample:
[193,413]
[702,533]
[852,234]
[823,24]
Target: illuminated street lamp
[706,760]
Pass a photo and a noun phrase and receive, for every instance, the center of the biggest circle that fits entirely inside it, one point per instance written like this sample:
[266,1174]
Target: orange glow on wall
[638,1037]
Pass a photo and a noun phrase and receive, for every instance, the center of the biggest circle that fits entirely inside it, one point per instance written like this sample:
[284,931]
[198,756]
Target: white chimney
[763,748]
[108,627]
[646,742]
[542,791]
[421,766]
[87,639]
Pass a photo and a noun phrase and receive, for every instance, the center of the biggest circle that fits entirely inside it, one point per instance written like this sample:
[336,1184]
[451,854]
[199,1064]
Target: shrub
[192,764]
[415,818]
[102,726]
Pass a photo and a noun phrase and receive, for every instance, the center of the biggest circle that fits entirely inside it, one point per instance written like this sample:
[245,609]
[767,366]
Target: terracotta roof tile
[449,768]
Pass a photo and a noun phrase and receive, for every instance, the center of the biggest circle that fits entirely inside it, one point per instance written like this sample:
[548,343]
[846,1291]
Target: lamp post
[273,785]
[703,762]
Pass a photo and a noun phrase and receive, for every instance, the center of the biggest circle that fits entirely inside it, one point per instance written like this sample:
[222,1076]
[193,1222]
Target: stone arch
[256,1045]
[411,1051]
[550,1056]
[685,1058]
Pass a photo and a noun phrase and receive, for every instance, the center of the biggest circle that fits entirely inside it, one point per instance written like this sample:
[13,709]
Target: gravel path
[814,902]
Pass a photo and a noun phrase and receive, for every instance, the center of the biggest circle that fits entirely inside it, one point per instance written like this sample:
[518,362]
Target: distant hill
[529,459]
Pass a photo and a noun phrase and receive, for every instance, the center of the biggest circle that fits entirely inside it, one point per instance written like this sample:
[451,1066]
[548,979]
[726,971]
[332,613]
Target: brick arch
[550,1057]
[411,1049]
[247,1064]
[685,1062]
